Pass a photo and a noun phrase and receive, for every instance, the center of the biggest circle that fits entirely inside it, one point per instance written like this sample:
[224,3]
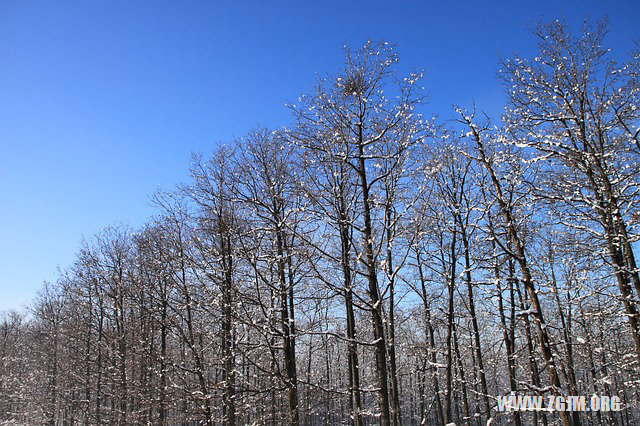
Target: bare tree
[575,107]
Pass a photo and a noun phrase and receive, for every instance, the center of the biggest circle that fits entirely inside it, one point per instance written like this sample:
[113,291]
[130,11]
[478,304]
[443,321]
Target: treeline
[366,265]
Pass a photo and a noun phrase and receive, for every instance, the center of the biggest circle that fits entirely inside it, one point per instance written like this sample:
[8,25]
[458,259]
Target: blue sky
[103,101]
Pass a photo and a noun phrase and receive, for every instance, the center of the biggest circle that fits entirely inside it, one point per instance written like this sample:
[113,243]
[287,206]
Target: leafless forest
[366,264]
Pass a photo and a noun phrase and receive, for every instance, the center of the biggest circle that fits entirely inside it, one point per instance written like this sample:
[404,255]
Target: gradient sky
[103,101]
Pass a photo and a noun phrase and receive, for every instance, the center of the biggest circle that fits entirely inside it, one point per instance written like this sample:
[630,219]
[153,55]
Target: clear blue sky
[102,101]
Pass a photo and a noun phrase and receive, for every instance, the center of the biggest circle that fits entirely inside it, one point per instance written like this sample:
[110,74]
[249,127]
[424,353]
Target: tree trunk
[355,404]
[374,292]
[474,322]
